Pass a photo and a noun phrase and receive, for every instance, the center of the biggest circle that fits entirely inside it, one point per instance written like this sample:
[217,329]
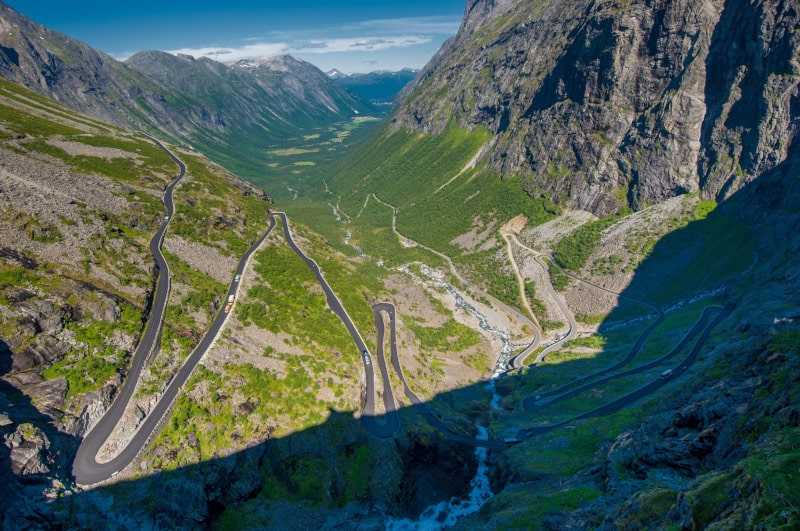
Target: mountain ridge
[230,111]
[380,87]
[663,90]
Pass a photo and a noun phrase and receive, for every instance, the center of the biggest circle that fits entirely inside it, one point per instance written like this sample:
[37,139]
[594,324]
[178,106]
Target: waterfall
[445,514]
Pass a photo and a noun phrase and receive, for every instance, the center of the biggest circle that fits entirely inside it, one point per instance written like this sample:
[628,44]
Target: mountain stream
[446,513]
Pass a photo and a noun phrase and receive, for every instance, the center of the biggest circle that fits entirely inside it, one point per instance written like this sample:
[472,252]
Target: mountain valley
[577,227]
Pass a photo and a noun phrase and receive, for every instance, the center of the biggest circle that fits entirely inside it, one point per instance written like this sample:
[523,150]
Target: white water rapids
[445,514]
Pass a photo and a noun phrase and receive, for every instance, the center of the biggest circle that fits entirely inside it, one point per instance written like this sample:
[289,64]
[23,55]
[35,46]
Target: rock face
[176,96]
[602,104]
[28,450]
[701,435]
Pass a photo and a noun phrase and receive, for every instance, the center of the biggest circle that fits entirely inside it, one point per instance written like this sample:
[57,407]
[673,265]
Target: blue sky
[351,35]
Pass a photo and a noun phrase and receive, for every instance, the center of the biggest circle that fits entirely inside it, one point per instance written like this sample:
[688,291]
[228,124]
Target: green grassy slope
[86,238]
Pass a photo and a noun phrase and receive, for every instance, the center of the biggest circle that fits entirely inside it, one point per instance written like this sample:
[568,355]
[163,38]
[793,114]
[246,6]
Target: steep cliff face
[602,104]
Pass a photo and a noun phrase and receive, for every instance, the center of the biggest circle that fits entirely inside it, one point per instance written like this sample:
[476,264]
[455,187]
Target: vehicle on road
[236,278]
[666,374]
[229,304]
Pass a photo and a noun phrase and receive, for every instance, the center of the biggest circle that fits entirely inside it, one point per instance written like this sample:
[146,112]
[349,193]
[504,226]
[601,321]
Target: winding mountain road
[615,405]
[420,406]
[391,420]
[518,362]
[700,330]
[537,327]
[86,469]
[369,419]
[496,302]
[530,403]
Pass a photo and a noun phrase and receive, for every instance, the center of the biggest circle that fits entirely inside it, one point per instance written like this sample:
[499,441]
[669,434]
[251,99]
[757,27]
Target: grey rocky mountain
[602,104]
[200,102]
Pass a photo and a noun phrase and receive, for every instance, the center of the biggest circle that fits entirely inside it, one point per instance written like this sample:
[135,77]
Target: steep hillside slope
[228,112]
[80,200]
[601,104]
[718,446]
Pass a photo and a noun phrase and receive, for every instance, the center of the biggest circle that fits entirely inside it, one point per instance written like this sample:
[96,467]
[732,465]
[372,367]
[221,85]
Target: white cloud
[224,53]
[322,46]
[370,35]
[362,43]
[435,25]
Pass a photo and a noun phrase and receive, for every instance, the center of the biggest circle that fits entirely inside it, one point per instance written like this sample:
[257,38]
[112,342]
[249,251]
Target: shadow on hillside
[329,465]
[34,454]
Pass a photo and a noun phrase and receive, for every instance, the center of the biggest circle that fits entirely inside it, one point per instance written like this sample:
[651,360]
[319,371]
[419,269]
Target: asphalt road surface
[615,405]
[419,405]
[86,469]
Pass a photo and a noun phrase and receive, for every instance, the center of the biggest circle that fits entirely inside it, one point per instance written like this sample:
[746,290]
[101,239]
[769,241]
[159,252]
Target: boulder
[44,351]
[29,450]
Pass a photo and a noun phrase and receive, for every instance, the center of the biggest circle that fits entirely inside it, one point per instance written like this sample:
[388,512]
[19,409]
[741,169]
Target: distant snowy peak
[276,62]
[338,74]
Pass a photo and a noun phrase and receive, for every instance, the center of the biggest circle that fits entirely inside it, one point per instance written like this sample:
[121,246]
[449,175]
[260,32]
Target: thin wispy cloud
[366,36]
[437,25]
[259,49]
[224,53]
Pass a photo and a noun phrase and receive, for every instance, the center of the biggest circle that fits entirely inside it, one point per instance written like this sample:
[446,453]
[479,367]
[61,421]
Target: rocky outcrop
[93,405]
[701,435]
[41,340]
[29,451]
[602,104]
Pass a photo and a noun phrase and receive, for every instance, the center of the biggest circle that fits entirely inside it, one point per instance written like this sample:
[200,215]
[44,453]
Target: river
[501,365]
[446,514]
